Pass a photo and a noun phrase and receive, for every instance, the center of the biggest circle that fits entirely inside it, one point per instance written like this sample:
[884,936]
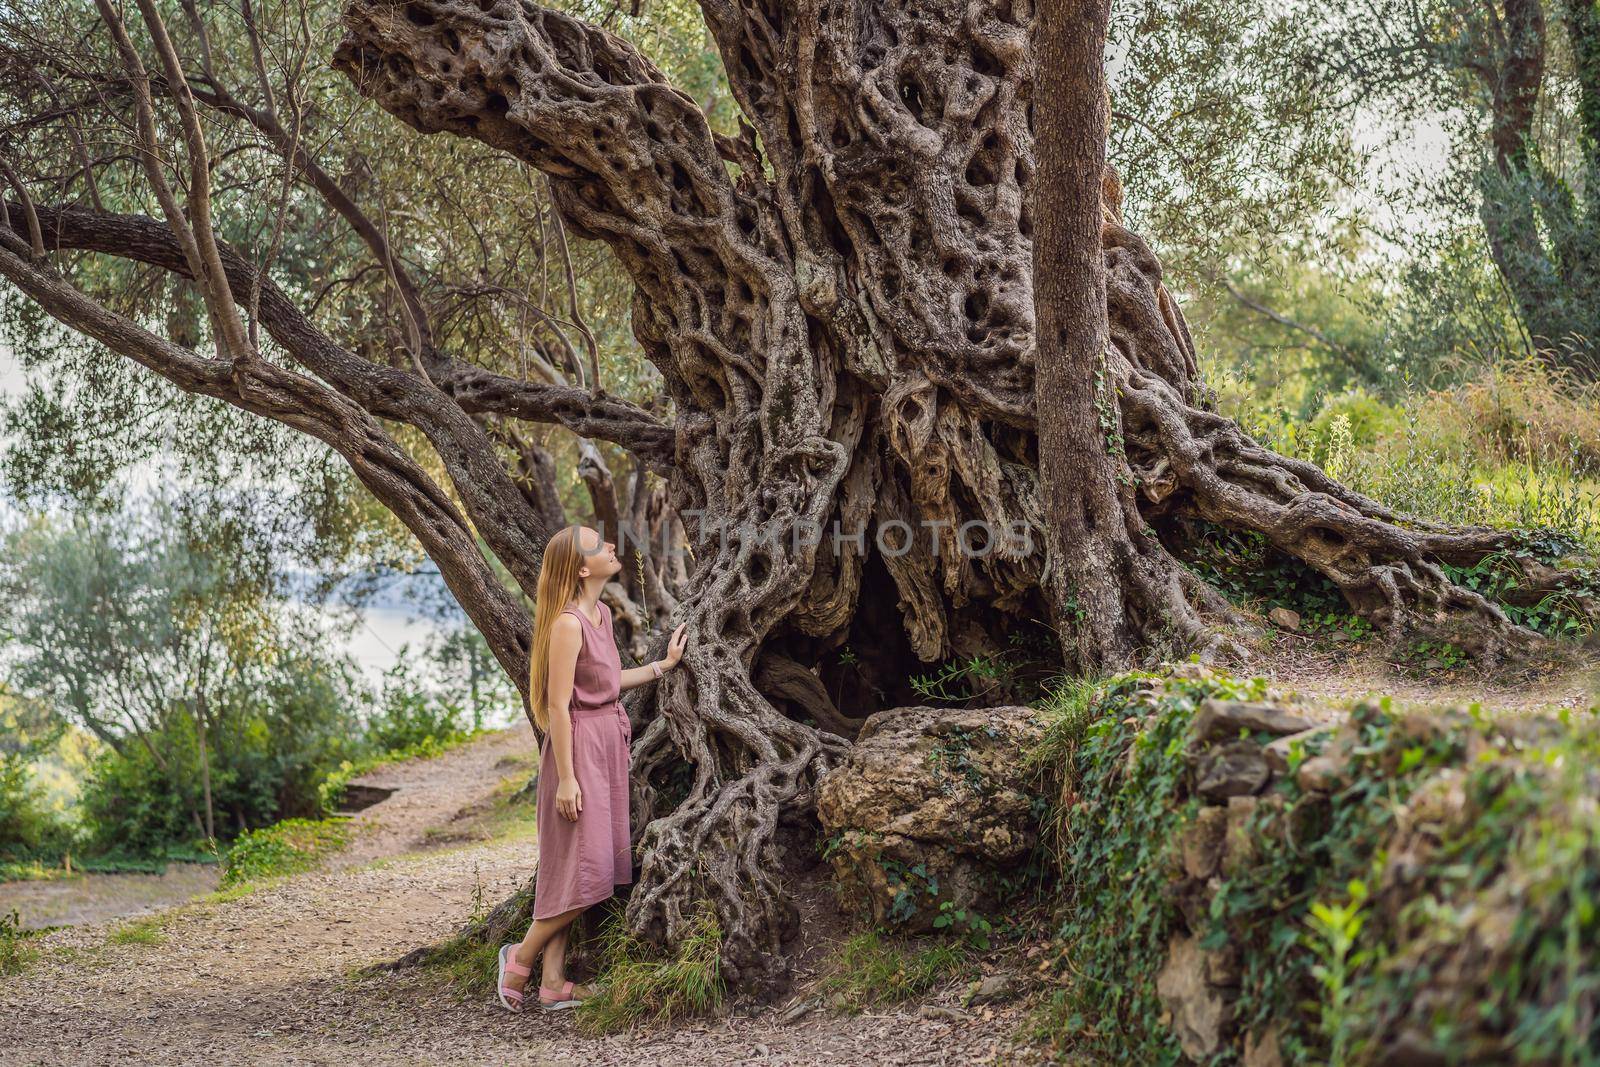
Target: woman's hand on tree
[675,646]
[569,799]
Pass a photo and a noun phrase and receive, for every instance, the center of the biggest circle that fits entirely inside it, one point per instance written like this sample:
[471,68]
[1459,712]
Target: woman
[576,675]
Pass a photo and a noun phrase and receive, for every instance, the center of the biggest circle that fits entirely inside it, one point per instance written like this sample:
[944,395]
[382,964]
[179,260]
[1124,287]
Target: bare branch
[572,302]
[376,238]
[384,391]
[35,235]
[232,338]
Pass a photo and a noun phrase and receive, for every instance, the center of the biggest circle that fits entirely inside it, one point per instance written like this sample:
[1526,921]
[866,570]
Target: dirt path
[101,898]
[1346,679]
[266,977]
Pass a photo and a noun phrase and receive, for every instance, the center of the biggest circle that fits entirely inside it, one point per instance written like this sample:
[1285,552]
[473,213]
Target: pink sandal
[511,966]
[558,999]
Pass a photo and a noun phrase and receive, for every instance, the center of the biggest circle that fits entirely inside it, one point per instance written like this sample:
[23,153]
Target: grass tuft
[637,986]
[872,969]
[1067,710]
[15,951]
[469,965]
[146,931]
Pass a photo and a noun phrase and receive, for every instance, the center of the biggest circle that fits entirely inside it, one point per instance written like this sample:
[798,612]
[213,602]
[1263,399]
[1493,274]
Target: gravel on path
[270,977]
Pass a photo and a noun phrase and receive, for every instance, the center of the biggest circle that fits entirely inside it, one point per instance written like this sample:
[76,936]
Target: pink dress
[581,862]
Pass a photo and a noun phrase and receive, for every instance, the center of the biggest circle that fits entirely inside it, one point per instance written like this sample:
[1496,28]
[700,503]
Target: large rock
[1227,720]
[932,805]
[1199,1012]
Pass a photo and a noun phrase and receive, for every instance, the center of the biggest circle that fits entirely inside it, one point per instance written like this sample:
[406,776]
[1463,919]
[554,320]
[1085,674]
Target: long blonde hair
[558,584]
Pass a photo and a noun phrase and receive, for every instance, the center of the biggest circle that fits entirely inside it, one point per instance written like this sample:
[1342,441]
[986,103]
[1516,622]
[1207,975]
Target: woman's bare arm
[634,677]
[566,639]
[637,676]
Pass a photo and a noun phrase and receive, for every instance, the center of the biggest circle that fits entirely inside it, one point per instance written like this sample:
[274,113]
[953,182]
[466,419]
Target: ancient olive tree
[838,298]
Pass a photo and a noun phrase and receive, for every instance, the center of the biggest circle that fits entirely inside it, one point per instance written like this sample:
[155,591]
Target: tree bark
[1076,475]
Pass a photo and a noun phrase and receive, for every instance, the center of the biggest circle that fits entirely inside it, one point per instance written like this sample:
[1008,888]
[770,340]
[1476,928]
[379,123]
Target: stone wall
[1274,883]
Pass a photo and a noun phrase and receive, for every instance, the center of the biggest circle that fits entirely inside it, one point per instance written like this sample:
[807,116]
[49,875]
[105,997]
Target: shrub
[269,756]
[1521,411]
[288,847]
[28,828]
[1515,445]
[408,716]
[1360,418]
[130,804]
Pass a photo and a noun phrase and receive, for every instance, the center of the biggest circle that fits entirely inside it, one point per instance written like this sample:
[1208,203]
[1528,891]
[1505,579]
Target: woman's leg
[538,936]
[555,959]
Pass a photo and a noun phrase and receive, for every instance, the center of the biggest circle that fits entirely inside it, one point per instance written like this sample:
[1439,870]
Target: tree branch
[1354,361]
[635,162]
[512,529]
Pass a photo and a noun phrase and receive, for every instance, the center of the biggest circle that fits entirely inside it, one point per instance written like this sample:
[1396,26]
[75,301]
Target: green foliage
[1248,570]
[470,681]
[1499,577]
[1512,849]
[165,632]
[410,721]
[1021,671]
[409,716]
[1332,936]
[15,952]
[1353,419]
[637,985]
[1224,147]
[33,828]
[1430,655]
[468,964]
[269,761]
[873,969]
[951,759]
[28,828]
[966,923]
[1067,709]
[1516,446]
[1517,450]
[287,847]
[910,882]
[944,685]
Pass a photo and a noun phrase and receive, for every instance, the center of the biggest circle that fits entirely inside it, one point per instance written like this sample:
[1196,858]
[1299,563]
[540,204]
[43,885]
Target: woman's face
[599,556]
